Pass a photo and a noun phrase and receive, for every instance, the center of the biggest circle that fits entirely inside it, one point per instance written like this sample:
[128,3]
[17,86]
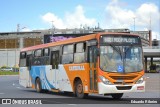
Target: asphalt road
[10,88]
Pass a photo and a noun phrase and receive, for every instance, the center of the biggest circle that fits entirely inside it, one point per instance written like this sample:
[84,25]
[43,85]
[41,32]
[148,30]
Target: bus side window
[37,60]
[46,53]
[23,55]
[29,61]
[54,59]
[79,55]
[67,56]
[22,62]
[38,53]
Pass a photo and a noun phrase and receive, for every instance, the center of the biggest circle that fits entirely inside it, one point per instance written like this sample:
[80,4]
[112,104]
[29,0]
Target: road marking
[72,104]
[1,93]
[13,84]
[18,87]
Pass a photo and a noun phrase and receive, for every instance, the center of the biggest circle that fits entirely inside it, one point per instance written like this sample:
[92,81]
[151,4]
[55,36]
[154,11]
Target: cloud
[78,18]
[146,15]
[147,12]
[117,16]
[71,20]
[52,18]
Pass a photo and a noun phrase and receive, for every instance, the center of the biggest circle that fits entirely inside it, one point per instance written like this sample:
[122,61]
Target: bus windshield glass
[122,58]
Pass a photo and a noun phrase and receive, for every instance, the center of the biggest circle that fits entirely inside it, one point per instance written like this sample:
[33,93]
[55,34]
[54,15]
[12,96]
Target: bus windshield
[121,58]
[120,53]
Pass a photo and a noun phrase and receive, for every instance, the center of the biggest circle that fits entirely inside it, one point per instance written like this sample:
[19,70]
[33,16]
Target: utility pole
[150,21]
[18,30]
[52,27]
[98,26]
[15,52]
[18,27]
[6,50]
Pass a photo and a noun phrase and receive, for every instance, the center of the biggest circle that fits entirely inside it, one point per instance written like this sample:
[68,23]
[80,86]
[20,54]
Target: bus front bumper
[109,89]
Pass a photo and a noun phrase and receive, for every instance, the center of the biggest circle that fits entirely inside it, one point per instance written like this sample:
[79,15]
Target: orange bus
[101,63]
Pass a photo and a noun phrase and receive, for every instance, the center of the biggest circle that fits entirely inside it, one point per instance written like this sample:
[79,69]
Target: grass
[8,73]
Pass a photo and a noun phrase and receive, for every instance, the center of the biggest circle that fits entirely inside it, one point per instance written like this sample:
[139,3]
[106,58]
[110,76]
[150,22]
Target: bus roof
[72,40]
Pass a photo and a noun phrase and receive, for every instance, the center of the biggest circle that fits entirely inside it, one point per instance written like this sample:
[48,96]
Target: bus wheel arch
[78,88]
[38,85]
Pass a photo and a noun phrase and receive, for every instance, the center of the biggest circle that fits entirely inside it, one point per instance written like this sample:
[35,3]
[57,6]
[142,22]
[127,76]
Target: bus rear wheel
[38,85]
[79,90]
[117,95]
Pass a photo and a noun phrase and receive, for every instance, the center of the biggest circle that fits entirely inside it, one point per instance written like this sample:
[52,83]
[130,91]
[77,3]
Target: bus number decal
[79,68]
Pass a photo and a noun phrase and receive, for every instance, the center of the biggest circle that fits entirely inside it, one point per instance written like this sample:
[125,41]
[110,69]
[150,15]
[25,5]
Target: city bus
[101,63]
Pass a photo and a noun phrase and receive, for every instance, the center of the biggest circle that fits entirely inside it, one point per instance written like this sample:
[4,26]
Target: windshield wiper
[129,47]
[118,50]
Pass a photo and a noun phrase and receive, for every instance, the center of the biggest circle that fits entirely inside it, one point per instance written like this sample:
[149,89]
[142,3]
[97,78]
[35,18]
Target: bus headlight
[140,80]
[105,80]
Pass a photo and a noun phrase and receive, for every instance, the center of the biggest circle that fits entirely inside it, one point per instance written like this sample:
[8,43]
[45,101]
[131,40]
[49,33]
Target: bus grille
[123,77]
[123,83]
[123,87]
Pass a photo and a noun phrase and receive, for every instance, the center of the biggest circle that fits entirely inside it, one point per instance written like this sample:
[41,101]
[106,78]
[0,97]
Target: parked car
[7,69]
[158,68]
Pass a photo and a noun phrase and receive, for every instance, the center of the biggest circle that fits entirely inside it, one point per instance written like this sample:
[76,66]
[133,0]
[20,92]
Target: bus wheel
[38,85]
[79,90]
[117,96]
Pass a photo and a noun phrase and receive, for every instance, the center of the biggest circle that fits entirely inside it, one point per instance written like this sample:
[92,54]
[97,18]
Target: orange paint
[78,70]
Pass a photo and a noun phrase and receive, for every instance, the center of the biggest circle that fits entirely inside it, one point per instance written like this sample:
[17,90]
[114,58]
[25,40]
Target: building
[16,40]
[10,40]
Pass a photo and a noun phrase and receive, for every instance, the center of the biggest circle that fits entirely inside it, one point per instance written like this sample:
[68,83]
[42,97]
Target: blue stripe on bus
[40,71]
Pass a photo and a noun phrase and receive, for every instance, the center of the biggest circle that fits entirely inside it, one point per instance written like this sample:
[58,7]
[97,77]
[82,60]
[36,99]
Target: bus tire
[79,90]
[38,86]
[117,95]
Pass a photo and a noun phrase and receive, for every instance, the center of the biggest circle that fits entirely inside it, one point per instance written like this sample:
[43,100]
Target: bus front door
[93,69]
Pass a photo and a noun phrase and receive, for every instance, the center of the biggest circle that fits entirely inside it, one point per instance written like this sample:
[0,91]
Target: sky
[41,14]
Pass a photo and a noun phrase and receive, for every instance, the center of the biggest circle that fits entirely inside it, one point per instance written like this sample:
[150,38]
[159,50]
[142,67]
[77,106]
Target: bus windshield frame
[121,55]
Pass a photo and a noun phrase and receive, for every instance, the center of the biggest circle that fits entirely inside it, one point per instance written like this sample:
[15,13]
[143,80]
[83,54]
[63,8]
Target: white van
[7,69]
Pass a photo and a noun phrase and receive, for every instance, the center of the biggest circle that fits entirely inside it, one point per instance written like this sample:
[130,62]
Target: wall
[9,57]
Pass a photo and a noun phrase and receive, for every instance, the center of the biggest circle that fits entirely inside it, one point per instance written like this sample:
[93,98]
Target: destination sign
[120,39]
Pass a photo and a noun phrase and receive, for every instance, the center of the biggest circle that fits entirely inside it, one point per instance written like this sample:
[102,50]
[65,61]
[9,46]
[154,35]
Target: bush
[4,66]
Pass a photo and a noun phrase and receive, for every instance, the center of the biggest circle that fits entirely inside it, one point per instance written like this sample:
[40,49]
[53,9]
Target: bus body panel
[130,78]
[51,78]
[42,73]
[24,77]
[51,75]
[108,89]
[63,80]
[80,71]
